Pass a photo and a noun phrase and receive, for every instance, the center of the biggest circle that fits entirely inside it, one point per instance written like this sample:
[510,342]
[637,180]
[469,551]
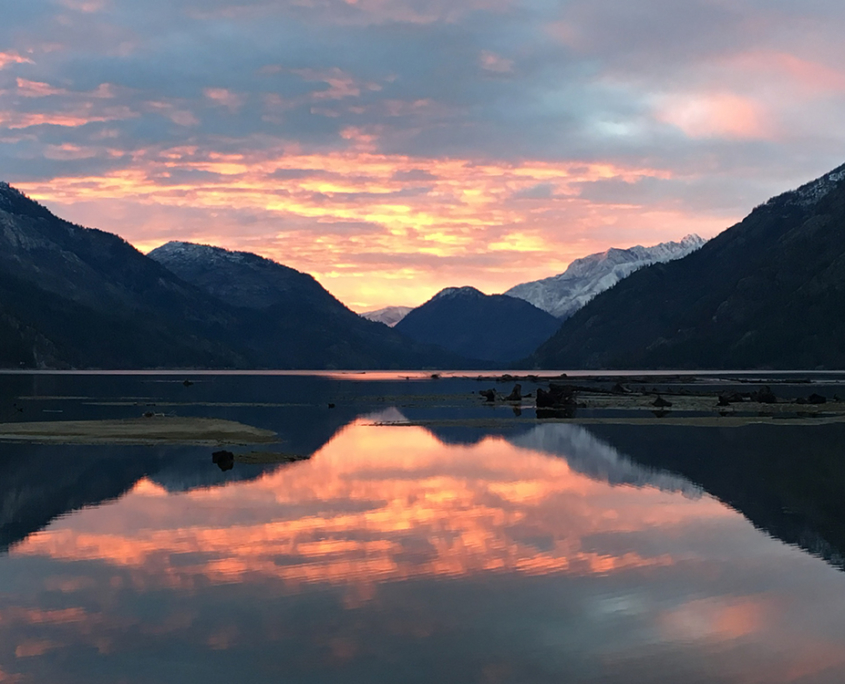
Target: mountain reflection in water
[542,554]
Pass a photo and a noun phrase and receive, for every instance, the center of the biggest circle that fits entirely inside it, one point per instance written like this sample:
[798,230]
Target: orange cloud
[73,118]
[345,216]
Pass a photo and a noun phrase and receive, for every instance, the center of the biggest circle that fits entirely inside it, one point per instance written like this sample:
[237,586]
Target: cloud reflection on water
[380,504]
[584,558]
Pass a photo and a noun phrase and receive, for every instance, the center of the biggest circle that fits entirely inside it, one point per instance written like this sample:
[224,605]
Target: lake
[411,548]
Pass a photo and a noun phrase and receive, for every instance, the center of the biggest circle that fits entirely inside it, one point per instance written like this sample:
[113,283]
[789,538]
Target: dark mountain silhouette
[288,319]
[494,328]
[79,297]
[786,481]
[73,296]
[767,293]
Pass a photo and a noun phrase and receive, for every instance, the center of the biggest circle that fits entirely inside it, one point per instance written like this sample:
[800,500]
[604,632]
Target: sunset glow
[394,148]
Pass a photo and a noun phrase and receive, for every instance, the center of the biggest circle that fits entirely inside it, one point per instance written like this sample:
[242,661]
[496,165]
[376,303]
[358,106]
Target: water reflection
[541,553]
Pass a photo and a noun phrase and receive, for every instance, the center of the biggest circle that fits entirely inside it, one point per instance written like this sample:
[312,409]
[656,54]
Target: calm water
[522,553]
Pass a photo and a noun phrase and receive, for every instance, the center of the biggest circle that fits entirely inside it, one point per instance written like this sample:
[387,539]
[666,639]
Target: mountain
[287,319]
[493,328]
[84,298]
[73,296]
[390,315]
[767,293]
[562,295]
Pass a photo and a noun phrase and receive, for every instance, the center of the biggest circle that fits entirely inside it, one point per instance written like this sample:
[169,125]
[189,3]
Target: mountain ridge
[563,294]
[497,329]
[766,293]
[75,297]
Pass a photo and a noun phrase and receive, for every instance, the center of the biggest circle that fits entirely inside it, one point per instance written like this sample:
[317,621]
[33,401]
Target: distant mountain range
[84,298]
[493,328]
[390,315]
[562,295]
[767,293]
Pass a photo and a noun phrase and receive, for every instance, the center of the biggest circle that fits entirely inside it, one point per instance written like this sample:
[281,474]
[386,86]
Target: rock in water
[764,396]
[557,396]
[225,460]
[489,395]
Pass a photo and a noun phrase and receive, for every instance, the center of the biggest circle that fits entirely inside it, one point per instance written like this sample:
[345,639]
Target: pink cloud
[35,89]
[490,61]
[341,85]
[225,98]
[717,115]
[12,57]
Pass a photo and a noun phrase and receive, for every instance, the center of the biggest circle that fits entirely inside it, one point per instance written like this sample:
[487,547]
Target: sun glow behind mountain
[393,149]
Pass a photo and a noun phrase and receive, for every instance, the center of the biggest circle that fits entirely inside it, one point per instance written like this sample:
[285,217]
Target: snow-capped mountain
[241,279]
[562,295]
[390,315]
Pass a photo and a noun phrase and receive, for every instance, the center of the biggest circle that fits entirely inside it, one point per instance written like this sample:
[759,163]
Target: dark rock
[660,402]
[619,388]
[516,394]
[187,383]
[727,398]
[764,396]
[816,399]
[225,460]
[331,405]
[556,396]
[489,395]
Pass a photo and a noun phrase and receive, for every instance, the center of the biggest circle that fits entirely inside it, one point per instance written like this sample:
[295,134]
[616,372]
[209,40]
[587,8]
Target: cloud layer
[396,147]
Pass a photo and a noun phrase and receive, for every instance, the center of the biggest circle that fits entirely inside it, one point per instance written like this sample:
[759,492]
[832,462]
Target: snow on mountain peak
[562,295]
[390,315]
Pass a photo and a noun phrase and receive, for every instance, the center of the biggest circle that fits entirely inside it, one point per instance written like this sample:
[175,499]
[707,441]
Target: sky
[395,147]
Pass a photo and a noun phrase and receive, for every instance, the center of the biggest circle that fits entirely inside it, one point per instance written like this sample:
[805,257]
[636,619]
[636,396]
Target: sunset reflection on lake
[530,557]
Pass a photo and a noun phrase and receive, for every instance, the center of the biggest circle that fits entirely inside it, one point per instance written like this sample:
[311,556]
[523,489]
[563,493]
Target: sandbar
[137,431]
